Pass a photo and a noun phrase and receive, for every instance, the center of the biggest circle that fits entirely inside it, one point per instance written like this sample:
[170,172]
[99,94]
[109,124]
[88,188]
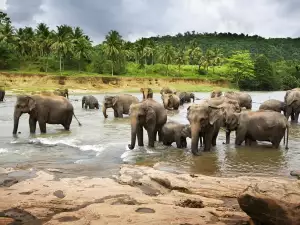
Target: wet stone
[145,210]
[8,181]
[59,194]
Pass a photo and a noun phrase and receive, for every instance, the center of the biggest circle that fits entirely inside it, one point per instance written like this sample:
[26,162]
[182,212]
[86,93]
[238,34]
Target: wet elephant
[147,93]
[150,115]
[273,105]
[216,93]
[90,102]
[205,120]
[120,104]
[44,110]
[166,90]
[258,126]
[171,101]
[176,132]
[292,101]
[185,97]
[62,92]
[243,98]
[2,94]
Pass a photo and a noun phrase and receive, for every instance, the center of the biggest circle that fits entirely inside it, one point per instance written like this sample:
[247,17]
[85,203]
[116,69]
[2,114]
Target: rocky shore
[144,195]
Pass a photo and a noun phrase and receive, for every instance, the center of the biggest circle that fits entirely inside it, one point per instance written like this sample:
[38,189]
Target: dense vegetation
[249,62]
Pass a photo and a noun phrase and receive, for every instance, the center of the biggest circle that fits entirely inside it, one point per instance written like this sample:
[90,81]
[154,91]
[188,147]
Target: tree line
[250,62]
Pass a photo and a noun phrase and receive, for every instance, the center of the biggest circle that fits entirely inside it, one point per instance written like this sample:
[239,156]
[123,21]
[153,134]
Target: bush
[289,82]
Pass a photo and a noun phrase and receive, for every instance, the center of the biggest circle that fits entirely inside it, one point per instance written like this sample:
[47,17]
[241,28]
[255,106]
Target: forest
[248,62]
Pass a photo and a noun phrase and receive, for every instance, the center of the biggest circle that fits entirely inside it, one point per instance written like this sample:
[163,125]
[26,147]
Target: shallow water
[99,147]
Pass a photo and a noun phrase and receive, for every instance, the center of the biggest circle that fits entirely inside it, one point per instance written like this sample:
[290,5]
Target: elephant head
[166,90]
[147,93]
[83,101]
[109,102]
[200,117]
[192,96]
[141,115]
[186,131]
[234,105]
[24,104]
[216,94]
[167,100]
[231,120]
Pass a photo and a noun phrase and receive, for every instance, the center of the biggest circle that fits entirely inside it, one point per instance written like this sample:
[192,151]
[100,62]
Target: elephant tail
[77,120]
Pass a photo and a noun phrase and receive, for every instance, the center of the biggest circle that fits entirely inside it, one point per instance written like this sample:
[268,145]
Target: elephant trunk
[104,111]
[166,103]
[16,121]
[133,134]
[82,103]
[195,131]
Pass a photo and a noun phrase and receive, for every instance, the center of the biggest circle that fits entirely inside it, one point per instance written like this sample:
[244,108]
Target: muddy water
[99,147]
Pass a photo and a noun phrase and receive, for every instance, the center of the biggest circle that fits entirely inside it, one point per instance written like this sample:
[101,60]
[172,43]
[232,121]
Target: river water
[99,147]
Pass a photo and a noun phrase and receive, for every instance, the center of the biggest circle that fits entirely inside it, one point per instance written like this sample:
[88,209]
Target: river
[99,147]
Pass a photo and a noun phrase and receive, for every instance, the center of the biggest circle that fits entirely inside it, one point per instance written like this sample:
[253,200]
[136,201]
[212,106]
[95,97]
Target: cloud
[136,18]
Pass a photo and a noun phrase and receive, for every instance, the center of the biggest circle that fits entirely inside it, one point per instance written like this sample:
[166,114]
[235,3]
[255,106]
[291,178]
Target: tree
[62,42]
[113,47]
[180,59]
[82,50]
[217,58]
[240,66]
[167,55]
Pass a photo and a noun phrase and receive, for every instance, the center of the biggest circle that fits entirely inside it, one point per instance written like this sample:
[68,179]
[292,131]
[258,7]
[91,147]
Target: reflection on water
[100,146]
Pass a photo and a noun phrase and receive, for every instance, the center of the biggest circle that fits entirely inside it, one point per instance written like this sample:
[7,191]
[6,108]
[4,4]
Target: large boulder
[272,203]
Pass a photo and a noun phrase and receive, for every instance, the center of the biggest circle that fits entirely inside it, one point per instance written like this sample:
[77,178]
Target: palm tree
[180,59]
[113,47]
[167,55]
[62,43]
[82,49]
[217,58]
[141,48]
[7,33]
[152,46]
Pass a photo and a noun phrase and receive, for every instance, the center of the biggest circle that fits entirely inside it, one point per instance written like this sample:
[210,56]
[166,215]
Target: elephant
[258,126]
[205,121]
[273,105]
[62,92]
[216,94]
[185,97]
[292,101]
[171,101]
[120,104]
[90,101]
[166,90]
[148,114]
[147,93]
[243,98]
[44,109]
[2,94]
[176,132]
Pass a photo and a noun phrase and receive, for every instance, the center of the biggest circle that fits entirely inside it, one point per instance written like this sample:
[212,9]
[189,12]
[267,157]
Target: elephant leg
[183,142]
[208,136]
[68,122]
[160,135]
[115,113]
[201,140]
[32,125]
[151,137]
[42,125]
[120,113]
[240,136]
[227,137]
[140,135]
[296,117]
[178,142]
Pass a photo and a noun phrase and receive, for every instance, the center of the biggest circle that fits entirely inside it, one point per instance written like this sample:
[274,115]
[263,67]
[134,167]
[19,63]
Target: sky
[144,18]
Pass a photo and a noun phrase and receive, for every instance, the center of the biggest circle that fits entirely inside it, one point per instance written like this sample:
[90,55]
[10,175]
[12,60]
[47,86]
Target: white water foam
[96,148]
[3,150]
[53,142]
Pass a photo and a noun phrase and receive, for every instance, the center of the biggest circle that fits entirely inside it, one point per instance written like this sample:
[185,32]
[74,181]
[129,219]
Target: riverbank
[144,195]
[27,83]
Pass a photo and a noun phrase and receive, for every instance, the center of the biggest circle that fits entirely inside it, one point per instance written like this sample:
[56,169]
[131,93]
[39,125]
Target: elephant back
[292,97]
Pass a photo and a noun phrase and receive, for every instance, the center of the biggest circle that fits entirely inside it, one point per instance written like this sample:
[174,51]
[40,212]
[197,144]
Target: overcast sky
[137,18]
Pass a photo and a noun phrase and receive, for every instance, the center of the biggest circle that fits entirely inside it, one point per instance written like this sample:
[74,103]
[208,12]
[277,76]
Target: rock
[295,173]
[272,204]
[7,182]
[54,170]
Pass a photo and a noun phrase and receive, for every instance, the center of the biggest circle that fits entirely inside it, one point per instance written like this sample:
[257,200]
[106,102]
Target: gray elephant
[147,93]
[2,94]
[171,101]
[243,98]
[205,121]
[292,101]
[258,126]
[176,132]
[273,105]
[166,90]
[90,101]
[216,93]
[120,104]
[150,115]
[44,109]
[185,97]
[62,92]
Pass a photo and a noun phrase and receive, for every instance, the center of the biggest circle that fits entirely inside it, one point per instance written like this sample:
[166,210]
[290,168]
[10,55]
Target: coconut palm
[113,47]
[7,33]
[82,50]
[167,55]
[180,59]
[62,42]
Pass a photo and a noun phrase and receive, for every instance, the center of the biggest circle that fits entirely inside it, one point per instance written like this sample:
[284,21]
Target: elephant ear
[114,100]
[214,113]
[291,98]
[31,103]
[150,115]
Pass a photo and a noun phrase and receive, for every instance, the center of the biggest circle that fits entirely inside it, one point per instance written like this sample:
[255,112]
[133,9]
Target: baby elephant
[273,105]
[176,132]
[90,101]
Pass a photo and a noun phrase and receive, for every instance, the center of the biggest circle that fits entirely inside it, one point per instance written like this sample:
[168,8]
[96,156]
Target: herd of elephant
[205,117]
